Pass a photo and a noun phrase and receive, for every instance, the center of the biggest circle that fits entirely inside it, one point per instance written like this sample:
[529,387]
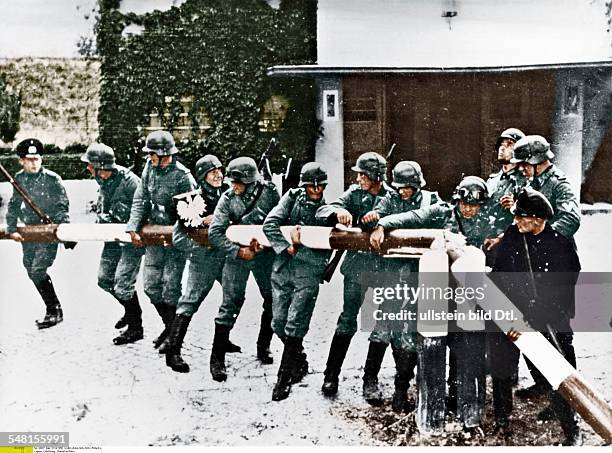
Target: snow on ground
[71,377]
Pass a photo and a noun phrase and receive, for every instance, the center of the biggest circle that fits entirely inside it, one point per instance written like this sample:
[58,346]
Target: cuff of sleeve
[280,247]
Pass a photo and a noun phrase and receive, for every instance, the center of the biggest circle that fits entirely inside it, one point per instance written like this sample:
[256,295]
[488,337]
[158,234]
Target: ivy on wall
[216,52]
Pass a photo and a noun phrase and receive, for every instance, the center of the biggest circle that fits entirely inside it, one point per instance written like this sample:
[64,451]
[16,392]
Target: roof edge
[322,71]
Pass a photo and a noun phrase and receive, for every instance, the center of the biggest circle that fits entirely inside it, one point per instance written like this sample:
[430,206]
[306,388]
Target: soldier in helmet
[205,262]
[162,178]
[532,156]
[537,267]
[46,190]
[408,195]
[247,202]
[297,273]
[351,209]
[119,263]
[502,187]
[463,215]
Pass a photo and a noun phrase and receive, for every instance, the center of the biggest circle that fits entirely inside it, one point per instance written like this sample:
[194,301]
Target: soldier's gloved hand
[16,237]
[377,238]
[69,245]
[136,239]
[246,253]
[344,217]
[370,217]
[507,201]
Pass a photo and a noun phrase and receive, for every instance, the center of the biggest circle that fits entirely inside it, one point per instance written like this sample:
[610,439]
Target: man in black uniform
[537,267]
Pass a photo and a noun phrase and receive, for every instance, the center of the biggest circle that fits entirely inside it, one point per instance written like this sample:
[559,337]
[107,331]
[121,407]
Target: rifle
[264,160]
[28,200]
[26,197]
[329,270]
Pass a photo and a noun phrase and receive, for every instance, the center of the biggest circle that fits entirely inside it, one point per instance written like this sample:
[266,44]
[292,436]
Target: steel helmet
[512,133]
[243,169]
[160,143]
[408,173]
[531,203]
[313,174]
[472,190]
[100,156]
[532,149]
[373,165]
[205,164]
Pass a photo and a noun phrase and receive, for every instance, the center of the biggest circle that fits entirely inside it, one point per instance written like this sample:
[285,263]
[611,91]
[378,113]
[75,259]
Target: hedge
[68,166]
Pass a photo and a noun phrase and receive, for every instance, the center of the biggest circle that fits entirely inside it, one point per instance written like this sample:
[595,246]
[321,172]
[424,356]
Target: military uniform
[401,335]
[295,279]
[407,269]
[553,184]
[467,349]
[500,184]
[47,191]
[358,202]
[205,262]
[441,216]
[119,263]
[231,211]
[163,266]
[247,208]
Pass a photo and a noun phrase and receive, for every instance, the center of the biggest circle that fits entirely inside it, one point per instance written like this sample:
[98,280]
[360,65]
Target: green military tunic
[500,184]
[401,335]
[444,216]
[554,185]
[163,266]
[47,191]
[119,263]
[295,279]
[205,262]
[358,202]
[231,210]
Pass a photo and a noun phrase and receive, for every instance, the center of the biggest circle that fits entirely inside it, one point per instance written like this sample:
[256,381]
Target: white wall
[412,33]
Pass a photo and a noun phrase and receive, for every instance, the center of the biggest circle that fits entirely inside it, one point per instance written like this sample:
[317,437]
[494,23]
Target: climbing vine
[216,53]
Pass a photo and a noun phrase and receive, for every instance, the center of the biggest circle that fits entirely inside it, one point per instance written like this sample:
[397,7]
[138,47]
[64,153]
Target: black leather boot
[285,372]
[405,361]
[54,314]
[371,390]
[133,318]
[337,352]
[264,339]
[217,356]
[174,343]
[166,313]
[123,321]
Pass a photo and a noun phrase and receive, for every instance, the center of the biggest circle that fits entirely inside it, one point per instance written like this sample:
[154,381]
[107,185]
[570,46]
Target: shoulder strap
[251,206]
[426,201]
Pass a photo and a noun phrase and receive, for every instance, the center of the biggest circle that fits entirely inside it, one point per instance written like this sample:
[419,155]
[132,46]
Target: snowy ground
[71,377]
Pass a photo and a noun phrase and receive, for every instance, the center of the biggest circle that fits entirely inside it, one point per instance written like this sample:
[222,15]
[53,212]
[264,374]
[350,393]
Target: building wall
[413,33]
[447,122]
